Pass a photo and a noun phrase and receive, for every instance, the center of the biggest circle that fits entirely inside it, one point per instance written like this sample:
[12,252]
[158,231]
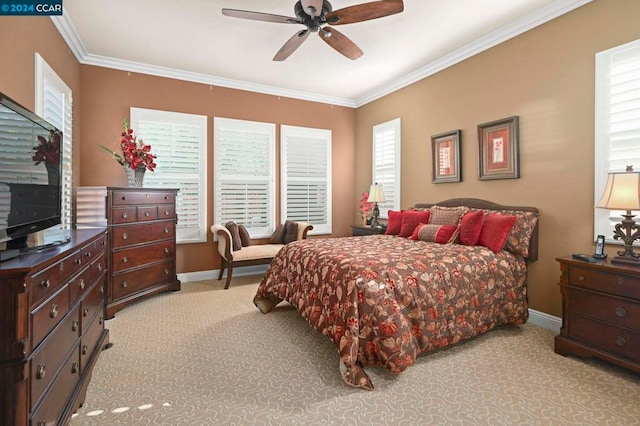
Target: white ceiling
[192,40]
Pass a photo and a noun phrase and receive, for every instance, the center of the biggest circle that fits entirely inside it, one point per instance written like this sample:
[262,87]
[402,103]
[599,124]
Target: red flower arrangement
[135,154]
[48,151]
[365,206]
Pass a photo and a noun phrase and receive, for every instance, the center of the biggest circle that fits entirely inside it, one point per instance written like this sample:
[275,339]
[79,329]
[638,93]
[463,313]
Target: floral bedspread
[384,299]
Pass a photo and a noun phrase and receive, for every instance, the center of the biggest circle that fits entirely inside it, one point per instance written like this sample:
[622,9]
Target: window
[305,176]
[386,163]
[617,122]
[244,174]
[179,141]
[54,103]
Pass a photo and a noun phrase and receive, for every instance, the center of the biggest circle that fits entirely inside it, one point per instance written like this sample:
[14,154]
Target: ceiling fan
[317,16]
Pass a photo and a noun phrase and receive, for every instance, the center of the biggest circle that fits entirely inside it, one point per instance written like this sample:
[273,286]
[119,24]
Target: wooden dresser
[600,312]
[51,329]
[142,244]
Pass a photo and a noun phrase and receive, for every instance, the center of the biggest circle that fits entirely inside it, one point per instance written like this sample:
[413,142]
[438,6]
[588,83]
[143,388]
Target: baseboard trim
[538,318]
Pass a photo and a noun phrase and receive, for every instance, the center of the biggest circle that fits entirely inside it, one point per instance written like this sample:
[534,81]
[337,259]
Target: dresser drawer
[607,308]
[138,256]
[47,360]
[50,409]
[48,315]
[613,339]
[47,281]
[90,338]
[90,305]
[121,198]
[621,285]
[124,215]
[131,282]
[147,213]
[142,233]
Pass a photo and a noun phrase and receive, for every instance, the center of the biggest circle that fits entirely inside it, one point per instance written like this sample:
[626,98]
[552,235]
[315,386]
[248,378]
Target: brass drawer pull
[100,320]
[620,341]
[124,259]
[82,284]
[87,254]
[46,284]
[166,272]
[166,212]
[74,368]
[85,312]
[125,215]
[125,236]
[581,278]
[101,290]
[41,372]
[620,280]
[166,250]
[78,261]
[99,267]
[621,312]
[54,310]
[147,214]
[75,325]
[124,284]
[85,349]
[166,230]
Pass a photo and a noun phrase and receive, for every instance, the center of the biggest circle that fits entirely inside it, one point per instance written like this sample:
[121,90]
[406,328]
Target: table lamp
[376,195]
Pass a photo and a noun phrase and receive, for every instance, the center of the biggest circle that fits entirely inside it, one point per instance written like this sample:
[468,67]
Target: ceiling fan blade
[315,5]
[291,45]
[259,16]
[340,42]
[364,12]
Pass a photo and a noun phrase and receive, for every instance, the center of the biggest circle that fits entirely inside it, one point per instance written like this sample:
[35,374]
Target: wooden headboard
[477,203]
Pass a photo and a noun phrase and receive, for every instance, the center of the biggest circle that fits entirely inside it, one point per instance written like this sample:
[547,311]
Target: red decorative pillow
[414,236]
[394,222]
[495,230]
[470,228]
[441,234]
[411,219]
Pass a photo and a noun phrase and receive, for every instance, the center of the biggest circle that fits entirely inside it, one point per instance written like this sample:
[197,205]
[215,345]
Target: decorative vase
[52,174]
[364,220]
[135,176]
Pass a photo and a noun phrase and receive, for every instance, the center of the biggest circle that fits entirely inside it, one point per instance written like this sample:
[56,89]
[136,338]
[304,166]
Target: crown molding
[70,35]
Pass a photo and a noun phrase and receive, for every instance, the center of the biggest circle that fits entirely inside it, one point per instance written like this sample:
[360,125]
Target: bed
[385,299]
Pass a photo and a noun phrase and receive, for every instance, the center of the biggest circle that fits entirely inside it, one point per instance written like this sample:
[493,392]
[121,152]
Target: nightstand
[360,230]
[600,312]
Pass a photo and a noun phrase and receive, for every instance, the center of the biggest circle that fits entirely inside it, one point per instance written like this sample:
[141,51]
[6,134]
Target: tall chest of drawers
[142,245]
[600,312]
[51,329]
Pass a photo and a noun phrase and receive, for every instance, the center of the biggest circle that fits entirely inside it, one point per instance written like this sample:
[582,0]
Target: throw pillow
[446,215]
[290,232]
[495,230]
[235,235]
[394,222]
[414,236]
[441,234]
[278,234]
[245,238]
[411,219]
[470,228]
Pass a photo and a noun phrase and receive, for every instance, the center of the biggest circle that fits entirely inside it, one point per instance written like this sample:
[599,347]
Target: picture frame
[446,158]
[499,149]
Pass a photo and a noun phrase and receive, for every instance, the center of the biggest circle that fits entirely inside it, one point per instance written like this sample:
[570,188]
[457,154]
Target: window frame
[377,170]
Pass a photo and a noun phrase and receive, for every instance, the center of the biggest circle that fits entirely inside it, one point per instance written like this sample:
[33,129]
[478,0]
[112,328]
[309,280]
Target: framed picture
[445,152]
[498,153]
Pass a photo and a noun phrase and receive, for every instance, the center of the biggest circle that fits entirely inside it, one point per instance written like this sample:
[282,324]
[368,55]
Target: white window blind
[244,174]
[617,129]
[386,163]
[305,176]
[54,103]
[179,142]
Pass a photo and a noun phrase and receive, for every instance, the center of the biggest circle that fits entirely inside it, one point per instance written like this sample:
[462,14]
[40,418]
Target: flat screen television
[30,176]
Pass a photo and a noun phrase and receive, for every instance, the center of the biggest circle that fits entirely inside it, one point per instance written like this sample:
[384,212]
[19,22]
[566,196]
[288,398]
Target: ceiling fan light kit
[317,15]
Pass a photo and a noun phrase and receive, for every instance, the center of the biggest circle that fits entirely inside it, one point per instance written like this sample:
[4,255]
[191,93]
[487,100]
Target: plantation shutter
[617,122]
[244,175]
[386,164]
[179,142]
[54,103]
[306,176]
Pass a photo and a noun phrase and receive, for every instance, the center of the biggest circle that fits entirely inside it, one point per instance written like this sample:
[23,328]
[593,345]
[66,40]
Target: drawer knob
[166,250]
[166,271]
[42,424]
[74,325]
[78,261]
[581,278]
[41,372]
[125,236]
[82,284]
[166,230]
[101,290]
[125,215]
[54,310]
[99,267]
[85,349]
[100,320]
[147,214]
[620,280]
[166,212]
[46,284]
[621,312]
[620,341]
[85,312]
[74,368]
[87,254]
[124,284]
[124,259]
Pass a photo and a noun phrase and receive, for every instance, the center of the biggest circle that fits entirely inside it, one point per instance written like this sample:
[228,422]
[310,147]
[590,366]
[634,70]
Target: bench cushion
[261,251]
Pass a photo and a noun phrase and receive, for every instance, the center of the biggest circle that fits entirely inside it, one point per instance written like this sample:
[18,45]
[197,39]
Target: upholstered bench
[257,254]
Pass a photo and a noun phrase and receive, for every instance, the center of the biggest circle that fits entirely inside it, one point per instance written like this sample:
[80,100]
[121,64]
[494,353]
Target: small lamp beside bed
[376,195]
[623,193]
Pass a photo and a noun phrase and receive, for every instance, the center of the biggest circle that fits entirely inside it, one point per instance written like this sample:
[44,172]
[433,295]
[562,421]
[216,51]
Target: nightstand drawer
[619,311]
[621,285]
[613,339]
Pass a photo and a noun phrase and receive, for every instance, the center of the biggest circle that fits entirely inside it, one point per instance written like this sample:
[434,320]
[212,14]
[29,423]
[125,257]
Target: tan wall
[108,94]
[546,77]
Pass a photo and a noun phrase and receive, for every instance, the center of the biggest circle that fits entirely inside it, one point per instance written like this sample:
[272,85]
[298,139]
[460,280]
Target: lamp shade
[376,194]
[622,191]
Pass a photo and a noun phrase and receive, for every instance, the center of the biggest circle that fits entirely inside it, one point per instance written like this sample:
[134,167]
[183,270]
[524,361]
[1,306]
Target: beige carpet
[206,356]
